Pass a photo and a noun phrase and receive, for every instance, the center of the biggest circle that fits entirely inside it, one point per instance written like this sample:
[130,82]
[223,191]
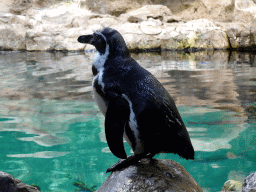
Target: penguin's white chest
[100,102]
[98,63]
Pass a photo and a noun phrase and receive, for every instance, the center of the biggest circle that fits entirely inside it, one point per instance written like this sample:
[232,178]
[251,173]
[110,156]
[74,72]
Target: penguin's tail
[186,151]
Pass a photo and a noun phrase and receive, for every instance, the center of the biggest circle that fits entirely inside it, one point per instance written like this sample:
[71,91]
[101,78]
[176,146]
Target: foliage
[83,186]
[36,186]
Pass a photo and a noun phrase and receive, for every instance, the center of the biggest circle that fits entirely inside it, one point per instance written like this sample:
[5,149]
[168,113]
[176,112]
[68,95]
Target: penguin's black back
[160,125]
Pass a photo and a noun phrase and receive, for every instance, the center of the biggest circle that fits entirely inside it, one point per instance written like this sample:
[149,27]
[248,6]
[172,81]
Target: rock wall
[55,25]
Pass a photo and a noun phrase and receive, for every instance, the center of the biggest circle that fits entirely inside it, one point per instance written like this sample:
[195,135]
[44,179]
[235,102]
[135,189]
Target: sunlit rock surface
[232,185]
[148,176]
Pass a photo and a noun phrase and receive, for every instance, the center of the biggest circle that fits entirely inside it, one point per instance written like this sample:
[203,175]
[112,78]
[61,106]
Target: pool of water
[52,133]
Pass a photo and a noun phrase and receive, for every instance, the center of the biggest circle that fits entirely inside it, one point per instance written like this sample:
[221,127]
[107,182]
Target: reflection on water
[52,133]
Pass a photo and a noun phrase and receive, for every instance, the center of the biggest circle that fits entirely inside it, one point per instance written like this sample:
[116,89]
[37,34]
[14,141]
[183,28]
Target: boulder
[249,184]
[202,34]
[151,175]
[9,184]
[232,185]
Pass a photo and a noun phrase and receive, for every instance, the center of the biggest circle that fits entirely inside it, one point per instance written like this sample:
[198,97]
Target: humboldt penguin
[135,104]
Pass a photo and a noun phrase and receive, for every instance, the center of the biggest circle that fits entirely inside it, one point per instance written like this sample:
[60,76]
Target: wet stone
[151,175]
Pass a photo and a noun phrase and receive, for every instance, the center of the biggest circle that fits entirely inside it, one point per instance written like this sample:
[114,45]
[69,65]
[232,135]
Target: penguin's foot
[123,163]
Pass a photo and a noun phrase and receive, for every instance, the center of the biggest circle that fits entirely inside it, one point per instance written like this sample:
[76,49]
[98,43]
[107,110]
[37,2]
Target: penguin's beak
[86,39]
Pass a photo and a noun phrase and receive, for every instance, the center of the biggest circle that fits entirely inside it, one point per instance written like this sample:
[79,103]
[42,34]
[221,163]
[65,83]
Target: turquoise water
[52,133]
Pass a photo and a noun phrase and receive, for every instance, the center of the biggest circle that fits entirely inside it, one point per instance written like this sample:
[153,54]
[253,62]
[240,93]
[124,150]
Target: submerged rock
[9,184]
[232,185]
[148,176]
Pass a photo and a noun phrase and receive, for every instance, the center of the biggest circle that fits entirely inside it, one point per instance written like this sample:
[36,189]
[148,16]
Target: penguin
[135,104]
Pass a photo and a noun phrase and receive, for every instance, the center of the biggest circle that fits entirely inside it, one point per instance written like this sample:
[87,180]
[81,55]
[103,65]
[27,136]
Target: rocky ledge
[148,27]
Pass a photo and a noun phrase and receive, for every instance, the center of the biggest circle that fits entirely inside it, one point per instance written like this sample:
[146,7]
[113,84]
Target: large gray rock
[148,176]
[9,184]
[249,184]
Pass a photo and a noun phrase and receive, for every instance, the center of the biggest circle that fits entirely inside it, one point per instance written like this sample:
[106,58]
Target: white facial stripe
[99,61]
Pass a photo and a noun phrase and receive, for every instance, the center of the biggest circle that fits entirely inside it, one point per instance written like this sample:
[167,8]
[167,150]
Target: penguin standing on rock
[135,104]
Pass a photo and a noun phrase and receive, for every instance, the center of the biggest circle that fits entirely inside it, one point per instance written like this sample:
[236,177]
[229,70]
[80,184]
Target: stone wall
[55,25]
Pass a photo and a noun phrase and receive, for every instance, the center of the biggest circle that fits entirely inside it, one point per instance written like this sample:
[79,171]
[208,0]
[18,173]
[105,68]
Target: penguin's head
[107,37]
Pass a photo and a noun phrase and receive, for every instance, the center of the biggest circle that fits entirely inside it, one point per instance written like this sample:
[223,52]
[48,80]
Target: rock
[64,19]
[19,6]
[8,19]
[146,12]
[240,35]
[103,20]
[246,5]
[232,185]
[12,37]
[53,37]
[112,7]
[202,34]
[225,4]
[200,24]
[249,184]
[116,8]
[151,27]
[9,184]
[148,176]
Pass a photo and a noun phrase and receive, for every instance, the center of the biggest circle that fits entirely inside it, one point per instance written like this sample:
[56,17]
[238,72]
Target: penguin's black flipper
[117,115]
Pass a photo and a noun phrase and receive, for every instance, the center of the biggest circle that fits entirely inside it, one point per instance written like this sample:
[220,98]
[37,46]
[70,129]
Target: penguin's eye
[99,38]
[99,43]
